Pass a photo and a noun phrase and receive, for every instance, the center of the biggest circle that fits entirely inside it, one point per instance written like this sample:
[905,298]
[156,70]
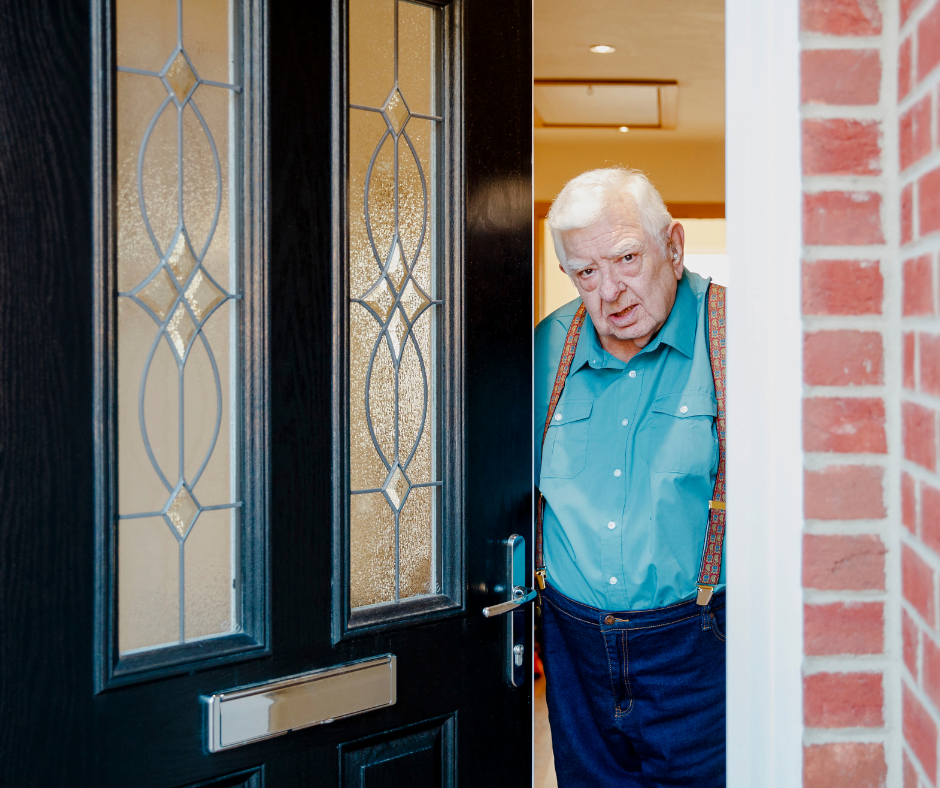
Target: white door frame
[765,462]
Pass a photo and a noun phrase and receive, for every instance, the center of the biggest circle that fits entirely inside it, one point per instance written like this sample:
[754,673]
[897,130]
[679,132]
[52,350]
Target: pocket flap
[691,403]
[573,410]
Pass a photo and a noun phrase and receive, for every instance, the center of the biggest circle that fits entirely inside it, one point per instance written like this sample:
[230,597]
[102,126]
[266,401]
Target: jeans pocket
[718,628]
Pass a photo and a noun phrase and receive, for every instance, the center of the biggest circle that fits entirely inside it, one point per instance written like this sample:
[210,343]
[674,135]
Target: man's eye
[586,271]
[628,258]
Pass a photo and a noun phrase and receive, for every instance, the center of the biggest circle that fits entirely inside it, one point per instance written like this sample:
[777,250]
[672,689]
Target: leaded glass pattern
[177,321]
[394,140]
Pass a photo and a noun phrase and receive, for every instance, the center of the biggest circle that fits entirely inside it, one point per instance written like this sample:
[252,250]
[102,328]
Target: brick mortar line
[878,735]
[812,253]
[924,244]
[931,76]
[930,401]
[810,41]
[923,165]
[863,525]
[871,664]
[914,18]
[922,324]
[915,616]
[915,762]
[917,92]
[820,184]
[821,596]
[921,696]
[920,473]
[865,391]
[860,112]
[925,552]
[813,322]
[893,377]
[926,632]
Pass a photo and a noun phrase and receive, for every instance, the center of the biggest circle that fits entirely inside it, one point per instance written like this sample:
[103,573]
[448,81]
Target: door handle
[515,606]
[520,595]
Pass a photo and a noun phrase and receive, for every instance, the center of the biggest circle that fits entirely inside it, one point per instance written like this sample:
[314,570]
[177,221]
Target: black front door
[265,397]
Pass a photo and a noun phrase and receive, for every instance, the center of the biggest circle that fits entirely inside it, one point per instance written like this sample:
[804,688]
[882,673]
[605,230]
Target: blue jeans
[635,698]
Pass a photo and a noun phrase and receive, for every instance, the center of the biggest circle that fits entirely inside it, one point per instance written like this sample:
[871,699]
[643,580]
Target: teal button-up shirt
[629,462]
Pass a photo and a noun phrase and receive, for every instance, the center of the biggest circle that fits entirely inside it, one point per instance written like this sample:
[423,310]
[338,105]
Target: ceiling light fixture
[603,49]
[623,128]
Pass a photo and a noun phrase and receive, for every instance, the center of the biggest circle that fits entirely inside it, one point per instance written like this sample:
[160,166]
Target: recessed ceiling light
[603,49]
[623,128]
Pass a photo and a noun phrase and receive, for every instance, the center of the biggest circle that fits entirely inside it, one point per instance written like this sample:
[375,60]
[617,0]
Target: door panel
[75,710]
[422,757]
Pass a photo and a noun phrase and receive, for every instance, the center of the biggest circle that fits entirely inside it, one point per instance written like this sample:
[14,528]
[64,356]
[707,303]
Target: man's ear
[676,235]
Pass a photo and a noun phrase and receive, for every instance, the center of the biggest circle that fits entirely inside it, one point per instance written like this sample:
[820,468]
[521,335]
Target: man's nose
[611,288]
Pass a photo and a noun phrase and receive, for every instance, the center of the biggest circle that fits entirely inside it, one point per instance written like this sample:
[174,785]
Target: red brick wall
[850,693]
[919,482]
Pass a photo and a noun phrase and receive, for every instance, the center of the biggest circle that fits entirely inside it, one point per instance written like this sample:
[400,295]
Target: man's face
[627,283]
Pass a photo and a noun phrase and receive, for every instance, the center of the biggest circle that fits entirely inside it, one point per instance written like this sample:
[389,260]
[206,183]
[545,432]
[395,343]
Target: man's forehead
[608,237]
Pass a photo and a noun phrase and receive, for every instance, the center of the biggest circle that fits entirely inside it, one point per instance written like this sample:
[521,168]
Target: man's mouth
[624,314]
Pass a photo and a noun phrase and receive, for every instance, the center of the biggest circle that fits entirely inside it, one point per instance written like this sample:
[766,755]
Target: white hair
[592,195]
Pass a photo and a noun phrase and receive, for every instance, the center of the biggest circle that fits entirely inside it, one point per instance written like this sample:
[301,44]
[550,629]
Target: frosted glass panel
[177,320]
[394,358]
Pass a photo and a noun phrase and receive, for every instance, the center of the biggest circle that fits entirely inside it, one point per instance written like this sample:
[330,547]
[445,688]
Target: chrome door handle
[515,622]
[520,595]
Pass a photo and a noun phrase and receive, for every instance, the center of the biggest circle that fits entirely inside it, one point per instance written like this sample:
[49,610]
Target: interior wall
[684,170]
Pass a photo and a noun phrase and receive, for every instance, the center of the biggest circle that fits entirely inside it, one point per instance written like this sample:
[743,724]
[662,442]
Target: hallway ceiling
[655,39]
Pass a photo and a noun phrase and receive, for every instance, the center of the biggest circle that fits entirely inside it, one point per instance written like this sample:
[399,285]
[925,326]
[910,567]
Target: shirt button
[632,373]
[609,620]
[613,581]
[557,417]
[625,422]
[611,525]
[617,472]
[684,409]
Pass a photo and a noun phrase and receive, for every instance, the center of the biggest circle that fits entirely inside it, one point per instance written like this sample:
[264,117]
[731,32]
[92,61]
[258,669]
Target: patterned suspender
[564,367]
[710,569]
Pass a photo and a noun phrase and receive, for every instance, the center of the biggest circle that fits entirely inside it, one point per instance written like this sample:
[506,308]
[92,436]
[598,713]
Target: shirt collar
[678,331]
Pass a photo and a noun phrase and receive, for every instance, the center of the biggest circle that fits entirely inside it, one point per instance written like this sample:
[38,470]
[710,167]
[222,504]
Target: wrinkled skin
[626,282]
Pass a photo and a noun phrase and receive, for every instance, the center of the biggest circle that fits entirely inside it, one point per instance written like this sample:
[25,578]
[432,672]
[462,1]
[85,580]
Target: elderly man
[627,453]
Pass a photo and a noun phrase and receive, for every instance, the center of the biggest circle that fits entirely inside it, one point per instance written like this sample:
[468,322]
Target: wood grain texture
[54,731]
[45,400]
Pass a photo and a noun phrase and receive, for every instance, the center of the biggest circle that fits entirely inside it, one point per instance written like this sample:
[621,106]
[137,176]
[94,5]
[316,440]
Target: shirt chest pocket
[680,435]
[566,442]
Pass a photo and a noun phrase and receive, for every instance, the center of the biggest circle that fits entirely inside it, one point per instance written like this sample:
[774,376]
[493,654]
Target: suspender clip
[704,594]
[540,578]
[716,505]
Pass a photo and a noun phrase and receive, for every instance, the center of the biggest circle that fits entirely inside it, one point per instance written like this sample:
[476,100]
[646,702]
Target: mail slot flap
[261,711]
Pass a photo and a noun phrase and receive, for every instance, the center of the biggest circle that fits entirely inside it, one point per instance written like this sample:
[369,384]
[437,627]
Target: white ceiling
[655,39]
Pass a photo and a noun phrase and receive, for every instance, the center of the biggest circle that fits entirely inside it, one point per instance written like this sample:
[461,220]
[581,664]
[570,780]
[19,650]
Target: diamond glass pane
[180,76]
[397,112]
[177,323]
[394,360]
[160,294]
[182,511]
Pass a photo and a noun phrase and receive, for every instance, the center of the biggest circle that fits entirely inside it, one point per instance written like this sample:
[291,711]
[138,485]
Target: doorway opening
[639,86]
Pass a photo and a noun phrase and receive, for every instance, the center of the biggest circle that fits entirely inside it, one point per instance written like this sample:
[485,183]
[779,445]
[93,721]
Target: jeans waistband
[629,619]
